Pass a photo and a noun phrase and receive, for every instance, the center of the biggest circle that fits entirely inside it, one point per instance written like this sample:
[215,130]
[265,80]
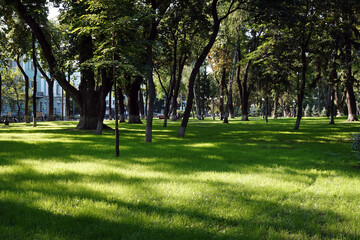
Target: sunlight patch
[201,145]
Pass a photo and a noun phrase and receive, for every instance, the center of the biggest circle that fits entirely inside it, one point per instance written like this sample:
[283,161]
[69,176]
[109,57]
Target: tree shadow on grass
[21,219]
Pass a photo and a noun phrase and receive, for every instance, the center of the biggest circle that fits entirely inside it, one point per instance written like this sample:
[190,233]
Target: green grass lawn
[243,180]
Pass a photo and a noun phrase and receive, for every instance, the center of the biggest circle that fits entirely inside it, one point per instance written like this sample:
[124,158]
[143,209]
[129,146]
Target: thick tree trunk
[245,95]
[107,75]
[121,105]
[85,96]
[132,90]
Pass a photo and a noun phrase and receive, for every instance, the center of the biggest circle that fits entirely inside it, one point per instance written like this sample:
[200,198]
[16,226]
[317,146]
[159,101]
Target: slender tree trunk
[182,62]
[149,118]
[0,94]
[229,99]
[349,83]
[26,77]
[266,109]
[51,100]
[245,95]
[339,102]
[222,93]
[110,108]
[276,100]
[301,92]
[332,107]
[212,108]
[35,80]
[67,103]
[121,105]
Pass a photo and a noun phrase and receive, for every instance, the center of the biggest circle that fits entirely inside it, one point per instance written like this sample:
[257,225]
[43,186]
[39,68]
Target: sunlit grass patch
[243,180]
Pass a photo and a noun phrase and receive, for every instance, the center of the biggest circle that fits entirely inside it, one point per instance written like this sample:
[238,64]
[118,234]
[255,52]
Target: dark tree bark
[86,97]
[332,107]
[132,90]
[182,62]
[301,92]
[349,83]
[67,102]
[110,109]
[104,90]
[121,105]
[51,100]
[141,104]
[149,118]
[245,95]
[200,60]
[26,77]
[266,109]
[229,99]
[276,100]
[35,80]
[339,101]
[0,94]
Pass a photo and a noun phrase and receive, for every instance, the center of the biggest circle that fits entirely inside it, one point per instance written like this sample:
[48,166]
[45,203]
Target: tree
[232,6]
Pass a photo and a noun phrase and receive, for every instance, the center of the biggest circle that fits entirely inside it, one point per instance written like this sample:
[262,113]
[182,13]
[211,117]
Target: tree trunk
[276,100]
[107,75]
[229,99]
[182,62]
[149,118]
[35,81]
[141,104]
[110,109]
[301,92]
[85,97]
[332,107]
[245,95]
[222,93]
[26,77]
[0,94]
[132,90]
[121,105]
[349,83]
[198,63]
[266,109]
[339,102]
[51,100]
[212,109]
